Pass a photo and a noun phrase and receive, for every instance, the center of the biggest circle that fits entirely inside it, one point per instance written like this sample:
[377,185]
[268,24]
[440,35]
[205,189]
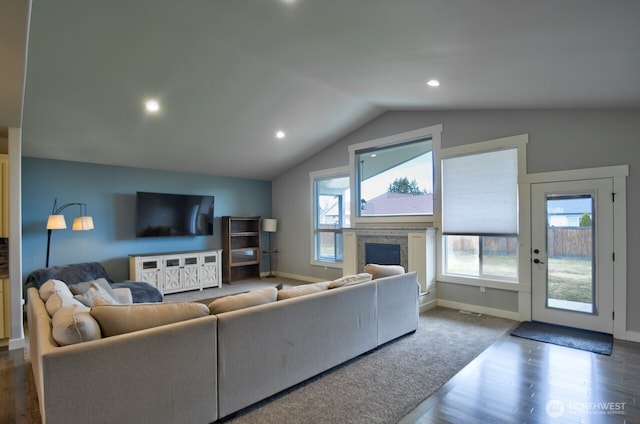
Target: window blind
[480,193]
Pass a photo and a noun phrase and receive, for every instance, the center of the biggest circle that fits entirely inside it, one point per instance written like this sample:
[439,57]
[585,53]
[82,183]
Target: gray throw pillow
[96,290]
[81,288]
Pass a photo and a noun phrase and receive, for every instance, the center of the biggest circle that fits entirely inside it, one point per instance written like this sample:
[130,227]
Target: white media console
[179,271]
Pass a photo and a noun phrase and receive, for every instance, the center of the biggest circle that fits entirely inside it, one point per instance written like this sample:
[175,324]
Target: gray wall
[558,140]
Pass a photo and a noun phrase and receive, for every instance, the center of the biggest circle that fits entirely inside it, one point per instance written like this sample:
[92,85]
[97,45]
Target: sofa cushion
[53,286]
[72,325]
[57,301]
[379,271]
[302,290]
[97,290]
[243,300]
[349,280]
[120,319]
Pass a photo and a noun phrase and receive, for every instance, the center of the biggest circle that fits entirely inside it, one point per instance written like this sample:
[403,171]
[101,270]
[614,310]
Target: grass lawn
[569,279]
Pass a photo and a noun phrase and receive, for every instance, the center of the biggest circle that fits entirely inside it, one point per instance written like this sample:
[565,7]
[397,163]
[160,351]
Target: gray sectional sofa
[203,369]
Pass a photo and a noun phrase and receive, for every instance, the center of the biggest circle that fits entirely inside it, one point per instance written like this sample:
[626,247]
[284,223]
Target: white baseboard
[17,344]
[298,277]
[633,336]
[480,309]
[429,304]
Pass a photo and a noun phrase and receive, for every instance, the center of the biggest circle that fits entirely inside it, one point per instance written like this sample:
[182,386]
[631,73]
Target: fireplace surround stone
[417,250]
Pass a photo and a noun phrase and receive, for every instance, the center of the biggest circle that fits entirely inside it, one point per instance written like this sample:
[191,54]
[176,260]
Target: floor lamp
[56,221]
[270,226]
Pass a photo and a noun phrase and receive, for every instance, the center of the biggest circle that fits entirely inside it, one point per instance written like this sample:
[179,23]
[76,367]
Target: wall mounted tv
[168,215]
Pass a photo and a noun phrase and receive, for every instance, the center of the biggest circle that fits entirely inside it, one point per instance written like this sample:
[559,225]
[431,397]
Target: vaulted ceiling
[229,74]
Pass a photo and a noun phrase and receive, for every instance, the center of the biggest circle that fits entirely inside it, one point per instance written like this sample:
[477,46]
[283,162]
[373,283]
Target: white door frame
[618,174]
[601,318]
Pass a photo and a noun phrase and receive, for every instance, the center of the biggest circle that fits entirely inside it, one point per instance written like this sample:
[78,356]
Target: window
[331,206]
[394,176]
[480,210]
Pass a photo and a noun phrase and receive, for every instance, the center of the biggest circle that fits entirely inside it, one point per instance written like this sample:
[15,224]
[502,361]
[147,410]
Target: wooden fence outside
[563,242]
[570,242]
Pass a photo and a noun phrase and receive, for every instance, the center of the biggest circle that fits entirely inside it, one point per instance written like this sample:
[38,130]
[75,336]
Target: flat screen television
[169,215]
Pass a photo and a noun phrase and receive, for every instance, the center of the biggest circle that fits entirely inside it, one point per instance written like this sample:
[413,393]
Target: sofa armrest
[124,295]
[398,306]
[164,374]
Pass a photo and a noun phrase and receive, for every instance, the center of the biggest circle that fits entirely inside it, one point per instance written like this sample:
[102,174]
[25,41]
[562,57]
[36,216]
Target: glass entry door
[572,254]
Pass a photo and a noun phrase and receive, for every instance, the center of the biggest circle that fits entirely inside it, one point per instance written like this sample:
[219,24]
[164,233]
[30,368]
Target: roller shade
[480,193]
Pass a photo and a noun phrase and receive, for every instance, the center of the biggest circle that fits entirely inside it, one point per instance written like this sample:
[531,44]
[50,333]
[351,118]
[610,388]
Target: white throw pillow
[72,325]
[120,319]
[53,286]
[349,280]
[243,300]
[303,290]
[95,290]
[380,271]
[56,301]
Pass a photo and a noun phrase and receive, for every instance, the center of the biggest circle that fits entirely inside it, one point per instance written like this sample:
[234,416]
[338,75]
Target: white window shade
[480,193]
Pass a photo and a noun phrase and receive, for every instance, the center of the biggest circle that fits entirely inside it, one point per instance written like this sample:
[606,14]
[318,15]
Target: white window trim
[341,171]
[434,132]
[523,281]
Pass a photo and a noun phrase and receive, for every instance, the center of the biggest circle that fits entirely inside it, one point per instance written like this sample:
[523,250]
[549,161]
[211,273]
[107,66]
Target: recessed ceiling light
[433,83]
[280,134]
[152,106]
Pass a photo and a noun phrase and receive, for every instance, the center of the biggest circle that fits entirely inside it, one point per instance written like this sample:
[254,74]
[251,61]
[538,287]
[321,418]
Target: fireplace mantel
[418,247]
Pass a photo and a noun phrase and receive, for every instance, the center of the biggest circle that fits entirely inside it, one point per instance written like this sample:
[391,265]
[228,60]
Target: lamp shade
[269,225]
[82,223]
[56,222]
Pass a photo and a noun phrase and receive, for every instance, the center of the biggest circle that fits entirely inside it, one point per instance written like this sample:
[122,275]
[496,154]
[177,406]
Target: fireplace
[388,250]
[382,254]
[415,248]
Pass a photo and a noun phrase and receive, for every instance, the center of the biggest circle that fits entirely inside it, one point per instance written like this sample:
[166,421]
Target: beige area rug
[378,387]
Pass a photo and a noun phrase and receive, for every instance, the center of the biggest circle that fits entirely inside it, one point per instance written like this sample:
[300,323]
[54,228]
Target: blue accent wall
[110,195]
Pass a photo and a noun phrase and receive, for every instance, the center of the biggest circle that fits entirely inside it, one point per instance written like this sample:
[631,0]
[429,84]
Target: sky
[414,169]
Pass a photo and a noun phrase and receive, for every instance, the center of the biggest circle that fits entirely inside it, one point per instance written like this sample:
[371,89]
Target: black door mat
[575,338]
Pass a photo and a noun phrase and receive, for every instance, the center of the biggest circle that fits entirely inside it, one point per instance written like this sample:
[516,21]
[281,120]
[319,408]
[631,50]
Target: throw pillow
[120,319]
[302,290]
[51,287]
[380,271]
[56,301]
[349,280]
[82,288]
[72,325]
[243,300]
[95,290]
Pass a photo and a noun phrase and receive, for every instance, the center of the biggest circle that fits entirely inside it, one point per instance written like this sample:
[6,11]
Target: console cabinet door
[210,270]
[189,278]
[172,274]
[148,270]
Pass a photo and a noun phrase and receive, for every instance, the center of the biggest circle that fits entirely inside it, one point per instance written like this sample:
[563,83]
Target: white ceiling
[229,73]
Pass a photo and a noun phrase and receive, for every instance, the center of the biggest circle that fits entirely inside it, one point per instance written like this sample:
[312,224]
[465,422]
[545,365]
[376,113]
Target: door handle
[537,261]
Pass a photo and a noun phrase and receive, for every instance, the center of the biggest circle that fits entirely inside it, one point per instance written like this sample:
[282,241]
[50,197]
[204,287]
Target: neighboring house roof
[400,203]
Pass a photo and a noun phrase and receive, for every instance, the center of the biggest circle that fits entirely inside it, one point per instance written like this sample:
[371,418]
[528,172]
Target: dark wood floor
[514,381]
[524,381]
[13,388]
